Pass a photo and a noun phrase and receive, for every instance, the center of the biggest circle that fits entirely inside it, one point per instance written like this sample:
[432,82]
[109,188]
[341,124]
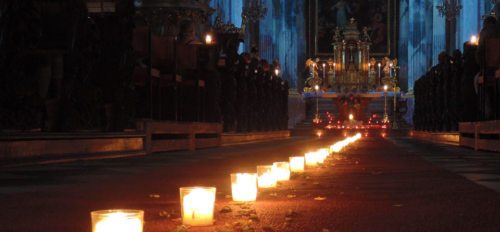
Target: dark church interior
[249,115]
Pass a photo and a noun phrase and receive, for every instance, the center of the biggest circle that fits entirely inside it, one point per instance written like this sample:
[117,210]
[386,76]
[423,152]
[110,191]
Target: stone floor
[395,184]
[481,167]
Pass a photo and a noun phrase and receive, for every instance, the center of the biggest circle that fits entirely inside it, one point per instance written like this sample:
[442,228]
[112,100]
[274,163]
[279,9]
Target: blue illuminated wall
[282,37]
[422,33]
[230,10]
[281,32]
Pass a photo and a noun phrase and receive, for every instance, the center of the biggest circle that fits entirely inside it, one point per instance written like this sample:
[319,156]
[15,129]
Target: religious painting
[376,15]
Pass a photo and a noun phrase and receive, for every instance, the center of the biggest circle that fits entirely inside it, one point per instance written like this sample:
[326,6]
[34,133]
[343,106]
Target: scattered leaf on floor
[267,229]
[164,214]
[226,209]
[181,228]
[254,217]
[291,213]
[155,195]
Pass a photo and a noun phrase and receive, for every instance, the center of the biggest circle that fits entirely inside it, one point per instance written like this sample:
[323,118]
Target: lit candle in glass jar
[244,186]
[265,177]
[311,159]
[197,204]
[322,155]
[297,164]
[281,171]
[125,220]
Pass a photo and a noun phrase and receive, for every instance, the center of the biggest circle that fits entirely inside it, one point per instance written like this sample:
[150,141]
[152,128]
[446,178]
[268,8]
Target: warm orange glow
[117,220]
[297,164]
[277,72]
[244,186]
[197,205]
[311,159]
[265,177]
[351,117]
[281,171]
[474,40]
[208,39]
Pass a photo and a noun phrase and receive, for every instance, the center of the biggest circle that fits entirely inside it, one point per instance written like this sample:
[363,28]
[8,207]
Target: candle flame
[474,40]
[208,39]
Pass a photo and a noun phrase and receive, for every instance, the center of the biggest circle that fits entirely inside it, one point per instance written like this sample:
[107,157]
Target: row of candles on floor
[197,203]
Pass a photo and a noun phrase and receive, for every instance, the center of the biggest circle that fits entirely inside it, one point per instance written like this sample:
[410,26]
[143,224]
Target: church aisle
[379,185]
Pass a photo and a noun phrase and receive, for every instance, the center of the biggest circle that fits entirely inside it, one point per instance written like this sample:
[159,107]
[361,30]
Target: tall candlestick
[334,70]
[379,75]
[324,71]
[390,70]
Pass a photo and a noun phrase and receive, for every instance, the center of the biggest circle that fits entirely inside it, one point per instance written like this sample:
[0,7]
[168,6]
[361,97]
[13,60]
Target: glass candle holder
[112,220]
[322,155]
[311,159]
[265,177]
[197,205]
[244,186]
[281,171]
[297,164]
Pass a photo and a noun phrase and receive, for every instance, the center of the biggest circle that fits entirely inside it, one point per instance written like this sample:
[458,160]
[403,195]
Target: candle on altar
[208,39]
[265,177]
[297,164]
[324,69]
[197,205]
[125,220]
[277,72]
[281,171]
[244,186]
[334,70]
[379,74]
[390,69]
